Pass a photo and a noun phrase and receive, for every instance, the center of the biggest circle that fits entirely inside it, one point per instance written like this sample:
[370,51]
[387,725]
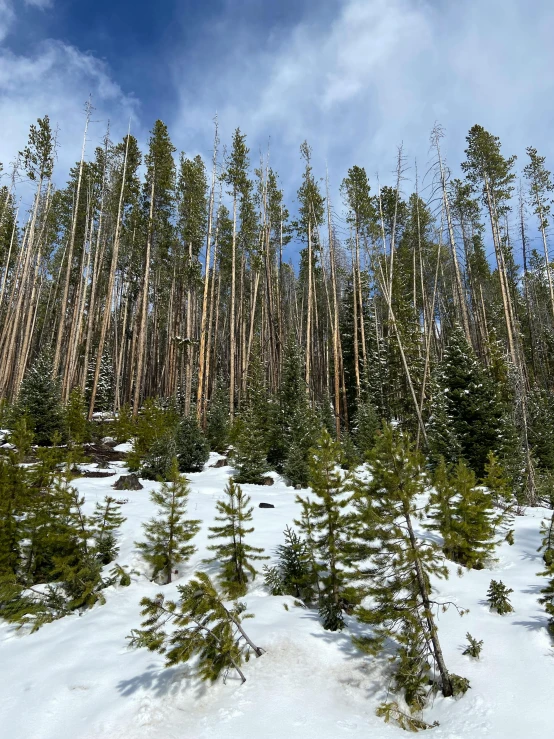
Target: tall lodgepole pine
[71,246]
[236,176]
[436,135]
[335,318]
[111,279]
[203,358]
[540,185]
[311,212]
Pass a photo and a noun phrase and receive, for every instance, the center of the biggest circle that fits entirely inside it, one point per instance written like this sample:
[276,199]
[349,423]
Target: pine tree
[169,533]
[217,428]
[13,499]
[40,400]
[329,529]
[464,514]
[400,567]
[191,446]
[105,388]
[293,574]
[76,418]
[251,433]
[158,461]
[497,595]
[471,402]
[155,425]
[234,555]
[205,627]
[250,450]
[443,441]
[474,647]
[366,425]
[298,424]
[105,521]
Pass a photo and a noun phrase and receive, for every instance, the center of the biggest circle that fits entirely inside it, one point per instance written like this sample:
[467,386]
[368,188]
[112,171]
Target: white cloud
[56,80]
[381,73]
[42,4]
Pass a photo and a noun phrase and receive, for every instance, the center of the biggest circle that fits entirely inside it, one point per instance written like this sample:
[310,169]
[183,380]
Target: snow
[126,447]
[77,679]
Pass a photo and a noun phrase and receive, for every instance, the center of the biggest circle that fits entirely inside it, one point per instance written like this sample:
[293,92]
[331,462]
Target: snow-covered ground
[76,678]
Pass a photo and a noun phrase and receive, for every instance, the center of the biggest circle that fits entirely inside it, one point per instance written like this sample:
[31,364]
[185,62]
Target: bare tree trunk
[141,343]
[111,280]
[63,306]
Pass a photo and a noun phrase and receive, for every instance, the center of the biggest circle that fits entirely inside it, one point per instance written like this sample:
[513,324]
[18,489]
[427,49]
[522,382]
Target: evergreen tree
[205,627]
[169,533]
[500,487]
[251,433]
[463,512]
[158,461]
[105,521]
[76,418]
[13,500]
[443,442]
[497,595]
[400,567]
[217,427]
[233,554]
[293,574]
[40,400]
[471,402]
[191,446]
[155,424]
[547,597]
[366,425]
[298,425]
[105,389]
[329,529]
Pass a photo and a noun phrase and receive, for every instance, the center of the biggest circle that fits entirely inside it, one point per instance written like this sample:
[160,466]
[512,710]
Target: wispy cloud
[42,4]
[56,79]
[381,73]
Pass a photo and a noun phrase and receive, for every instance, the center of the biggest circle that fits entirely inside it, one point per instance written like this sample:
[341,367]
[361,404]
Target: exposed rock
[268,481]
[266,505]
[298,487]
[128,482]
[220,463]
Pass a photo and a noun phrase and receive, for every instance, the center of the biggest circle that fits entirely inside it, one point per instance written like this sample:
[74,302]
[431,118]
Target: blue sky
[354,77]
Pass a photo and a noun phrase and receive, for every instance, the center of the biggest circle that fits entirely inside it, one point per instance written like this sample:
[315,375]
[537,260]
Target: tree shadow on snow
[163,682]
[371,669]
[538,623]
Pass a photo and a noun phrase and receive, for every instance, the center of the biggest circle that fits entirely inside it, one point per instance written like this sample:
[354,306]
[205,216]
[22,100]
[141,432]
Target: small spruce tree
[217,427]
[192,449]
[329,523]
[158,461]
[233,554]
[40,400]
[169,533]
[105,521]
[463,513]
[497,595]
[293,574]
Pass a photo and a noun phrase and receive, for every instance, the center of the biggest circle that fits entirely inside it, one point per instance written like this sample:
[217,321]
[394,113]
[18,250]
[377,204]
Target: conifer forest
[380,352]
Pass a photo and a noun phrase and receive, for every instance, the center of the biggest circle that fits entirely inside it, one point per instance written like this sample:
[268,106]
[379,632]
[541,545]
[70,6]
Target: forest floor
[77,679]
